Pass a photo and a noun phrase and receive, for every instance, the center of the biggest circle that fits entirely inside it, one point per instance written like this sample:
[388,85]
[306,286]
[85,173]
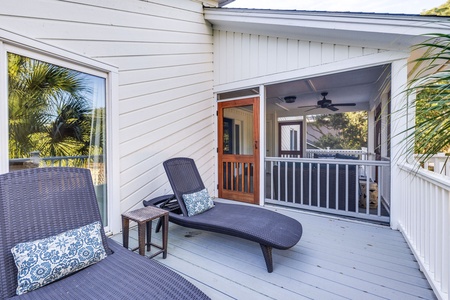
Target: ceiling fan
[326,103]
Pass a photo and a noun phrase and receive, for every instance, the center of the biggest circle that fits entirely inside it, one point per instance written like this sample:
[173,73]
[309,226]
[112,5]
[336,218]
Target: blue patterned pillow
[43,261]
[197,202]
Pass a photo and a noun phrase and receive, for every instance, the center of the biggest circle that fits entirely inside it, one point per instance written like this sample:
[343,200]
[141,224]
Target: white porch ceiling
[362,87]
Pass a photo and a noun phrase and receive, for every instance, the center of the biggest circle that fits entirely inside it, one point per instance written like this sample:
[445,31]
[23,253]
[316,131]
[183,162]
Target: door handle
[256,144]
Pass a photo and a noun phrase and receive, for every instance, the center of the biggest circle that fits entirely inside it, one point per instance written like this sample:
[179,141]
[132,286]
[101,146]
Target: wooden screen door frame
[245,186]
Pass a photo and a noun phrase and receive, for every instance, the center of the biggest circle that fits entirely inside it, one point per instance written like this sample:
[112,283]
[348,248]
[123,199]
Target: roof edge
[382,30]
[225,2]
[327,13]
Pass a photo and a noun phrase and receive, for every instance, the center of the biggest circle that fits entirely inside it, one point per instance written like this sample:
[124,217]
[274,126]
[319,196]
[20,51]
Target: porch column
[305,137]
[262,143]
[399,123]
[370,133]
[384,125]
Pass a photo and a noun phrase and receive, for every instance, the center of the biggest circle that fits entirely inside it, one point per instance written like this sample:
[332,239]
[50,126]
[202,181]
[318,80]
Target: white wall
[242,56]
[163,50]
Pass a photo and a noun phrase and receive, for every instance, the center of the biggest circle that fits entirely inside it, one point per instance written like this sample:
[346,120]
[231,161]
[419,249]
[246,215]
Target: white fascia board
[214,3]
[340,66]
[54,51]
[392,31]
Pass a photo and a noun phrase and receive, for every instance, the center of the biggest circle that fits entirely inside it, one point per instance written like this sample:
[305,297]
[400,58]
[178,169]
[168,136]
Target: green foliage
[329,140]
[341,131]
[432,121]
[48,109]
[442,10]
[431,132]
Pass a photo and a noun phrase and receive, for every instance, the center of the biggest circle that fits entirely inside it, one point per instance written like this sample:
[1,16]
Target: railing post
[35,158]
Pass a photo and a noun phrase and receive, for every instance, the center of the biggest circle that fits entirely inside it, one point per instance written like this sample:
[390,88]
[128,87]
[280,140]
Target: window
[57,117]
[290,139]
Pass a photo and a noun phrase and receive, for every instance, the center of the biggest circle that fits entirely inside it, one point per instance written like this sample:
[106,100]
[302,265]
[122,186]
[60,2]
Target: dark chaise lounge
[263,226]
[39,203]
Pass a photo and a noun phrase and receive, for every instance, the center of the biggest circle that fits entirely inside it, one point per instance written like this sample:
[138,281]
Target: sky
[376,6]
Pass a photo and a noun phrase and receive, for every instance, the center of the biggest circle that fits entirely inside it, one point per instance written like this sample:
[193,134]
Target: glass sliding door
[57,119]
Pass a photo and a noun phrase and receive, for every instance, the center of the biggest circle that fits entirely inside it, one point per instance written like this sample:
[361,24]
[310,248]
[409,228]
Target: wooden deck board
[335,259]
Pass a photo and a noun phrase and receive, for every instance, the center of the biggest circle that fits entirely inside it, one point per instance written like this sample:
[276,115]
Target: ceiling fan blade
[308,106]
[344,104]
[331,107]
[312,108]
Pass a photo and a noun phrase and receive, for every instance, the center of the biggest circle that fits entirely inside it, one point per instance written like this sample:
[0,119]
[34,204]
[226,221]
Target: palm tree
[48,109]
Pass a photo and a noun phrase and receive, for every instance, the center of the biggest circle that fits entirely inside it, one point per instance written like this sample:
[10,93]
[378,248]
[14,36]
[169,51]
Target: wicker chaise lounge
[39,203]
[268,228]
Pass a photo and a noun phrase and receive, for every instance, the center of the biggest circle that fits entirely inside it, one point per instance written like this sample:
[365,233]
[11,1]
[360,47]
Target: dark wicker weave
[38,203]
[268,228]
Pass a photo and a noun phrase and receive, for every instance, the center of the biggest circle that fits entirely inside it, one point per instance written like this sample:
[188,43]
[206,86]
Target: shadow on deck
[335,259]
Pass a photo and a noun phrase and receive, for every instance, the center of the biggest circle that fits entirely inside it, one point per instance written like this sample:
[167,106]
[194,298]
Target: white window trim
[11,42]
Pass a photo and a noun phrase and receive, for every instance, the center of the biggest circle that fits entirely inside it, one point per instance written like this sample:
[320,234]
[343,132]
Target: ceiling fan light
[290,99]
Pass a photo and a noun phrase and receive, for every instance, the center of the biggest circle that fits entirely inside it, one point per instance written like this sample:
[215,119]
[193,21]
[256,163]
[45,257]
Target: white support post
[262,143]
[305,136]
[399,122]
[371,132]
[384,125]
[216,146]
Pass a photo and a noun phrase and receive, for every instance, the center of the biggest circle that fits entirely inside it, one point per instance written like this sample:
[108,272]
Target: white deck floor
[335,259]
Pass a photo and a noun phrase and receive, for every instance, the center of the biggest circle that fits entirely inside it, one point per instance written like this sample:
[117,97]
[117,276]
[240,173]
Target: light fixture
[290,99]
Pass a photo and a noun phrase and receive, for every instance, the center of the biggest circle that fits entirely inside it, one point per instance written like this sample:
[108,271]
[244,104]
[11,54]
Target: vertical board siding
[164,53]
[245,56]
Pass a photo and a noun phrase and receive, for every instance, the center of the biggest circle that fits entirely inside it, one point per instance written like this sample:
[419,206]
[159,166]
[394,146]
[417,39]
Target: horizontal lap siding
[241,56]
[163,50]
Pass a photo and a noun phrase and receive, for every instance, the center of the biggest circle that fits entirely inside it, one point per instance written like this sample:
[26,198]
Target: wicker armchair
[38,203]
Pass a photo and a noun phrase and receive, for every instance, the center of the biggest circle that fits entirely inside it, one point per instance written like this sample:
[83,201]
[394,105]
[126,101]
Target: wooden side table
[144,217]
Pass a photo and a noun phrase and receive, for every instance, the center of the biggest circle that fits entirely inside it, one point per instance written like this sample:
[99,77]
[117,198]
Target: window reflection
[56,118]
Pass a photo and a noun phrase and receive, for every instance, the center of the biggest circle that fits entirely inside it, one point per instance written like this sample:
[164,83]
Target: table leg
[141,238]
[149,234]
[165,235]
[125,231]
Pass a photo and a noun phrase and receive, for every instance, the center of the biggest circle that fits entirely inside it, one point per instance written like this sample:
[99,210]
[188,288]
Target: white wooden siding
[163,50]
[241,56]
